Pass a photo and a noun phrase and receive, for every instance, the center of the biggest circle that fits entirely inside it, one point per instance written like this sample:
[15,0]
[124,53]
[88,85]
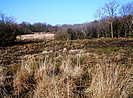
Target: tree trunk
[130,30]
[126,33]
[129,34]
[112,30]
[106,35]
[119,34]
[98,34]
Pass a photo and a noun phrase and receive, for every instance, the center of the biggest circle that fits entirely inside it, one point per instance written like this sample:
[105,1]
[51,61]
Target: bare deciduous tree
[108,11]
[126,9]
[127,12]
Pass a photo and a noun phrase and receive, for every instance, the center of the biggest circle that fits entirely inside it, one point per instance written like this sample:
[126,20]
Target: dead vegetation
[35,37]
[76,69]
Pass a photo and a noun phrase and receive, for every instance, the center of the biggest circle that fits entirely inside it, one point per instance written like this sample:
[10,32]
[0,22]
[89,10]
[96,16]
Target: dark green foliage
[8,35]
[8,30]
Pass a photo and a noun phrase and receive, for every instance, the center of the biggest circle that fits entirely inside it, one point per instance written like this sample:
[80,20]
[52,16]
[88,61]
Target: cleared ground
[79,68]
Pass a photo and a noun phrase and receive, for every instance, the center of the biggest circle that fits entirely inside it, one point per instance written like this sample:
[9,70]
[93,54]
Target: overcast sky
[52,11]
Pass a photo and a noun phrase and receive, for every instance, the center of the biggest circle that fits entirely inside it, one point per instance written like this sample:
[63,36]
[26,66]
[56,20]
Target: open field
[77,69]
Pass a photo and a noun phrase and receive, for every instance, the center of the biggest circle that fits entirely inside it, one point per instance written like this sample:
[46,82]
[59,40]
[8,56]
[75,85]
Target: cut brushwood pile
[41,36]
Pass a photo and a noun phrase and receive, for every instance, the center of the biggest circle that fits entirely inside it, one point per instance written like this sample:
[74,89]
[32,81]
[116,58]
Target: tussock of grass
[22,82]
[110,80]
[105,78]
[46,82]
[97,72]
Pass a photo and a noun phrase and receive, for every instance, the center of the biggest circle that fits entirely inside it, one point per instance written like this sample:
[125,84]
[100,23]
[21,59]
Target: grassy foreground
[61,69]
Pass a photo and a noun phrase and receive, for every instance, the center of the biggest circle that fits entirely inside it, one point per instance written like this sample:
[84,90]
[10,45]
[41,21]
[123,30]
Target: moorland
[73,68]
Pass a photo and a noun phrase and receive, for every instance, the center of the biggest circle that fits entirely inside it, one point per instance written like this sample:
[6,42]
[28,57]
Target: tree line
[9,29]
[113,20]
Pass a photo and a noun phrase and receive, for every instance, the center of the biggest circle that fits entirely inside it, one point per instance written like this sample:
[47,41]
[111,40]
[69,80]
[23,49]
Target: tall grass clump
[110,80]
[23,80]
[44,80]
[58,85]
[87,75]
[2,79]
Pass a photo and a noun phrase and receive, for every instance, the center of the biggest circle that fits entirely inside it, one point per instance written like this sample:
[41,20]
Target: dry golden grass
[35,36]
[47,82]
[111,81]
[94,73]
[106,78]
